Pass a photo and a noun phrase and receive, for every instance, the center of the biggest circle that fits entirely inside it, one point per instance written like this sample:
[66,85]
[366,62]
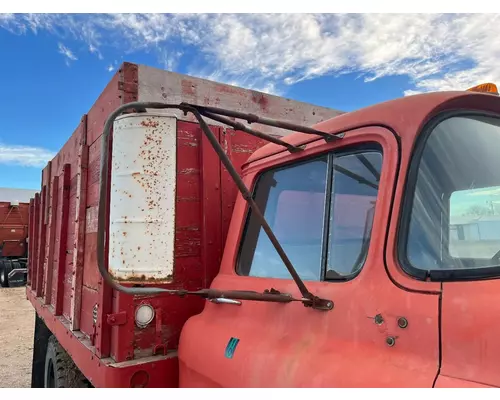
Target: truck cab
[360,251]
[394,222]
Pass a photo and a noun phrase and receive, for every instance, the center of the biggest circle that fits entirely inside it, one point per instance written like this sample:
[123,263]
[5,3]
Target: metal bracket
[160,349]
[117,319]
[17,271]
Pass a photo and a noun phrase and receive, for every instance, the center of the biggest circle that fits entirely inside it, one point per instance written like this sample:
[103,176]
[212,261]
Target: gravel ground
[17,322]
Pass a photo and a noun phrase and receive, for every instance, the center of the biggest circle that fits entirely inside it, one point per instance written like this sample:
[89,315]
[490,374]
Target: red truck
[173,247]
[14,210]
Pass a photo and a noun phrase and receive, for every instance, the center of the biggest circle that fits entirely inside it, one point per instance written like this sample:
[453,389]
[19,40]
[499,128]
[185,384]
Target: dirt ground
[17,320]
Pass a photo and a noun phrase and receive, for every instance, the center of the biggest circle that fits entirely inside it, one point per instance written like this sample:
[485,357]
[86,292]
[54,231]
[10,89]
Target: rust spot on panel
[229,90]
[149,123]
[188,87]
[188,171]
[242,149]
[142,278]
[261,100]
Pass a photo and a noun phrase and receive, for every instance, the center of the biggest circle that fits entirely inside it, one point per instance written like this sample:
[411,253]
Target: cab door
[330,208]
[457,183]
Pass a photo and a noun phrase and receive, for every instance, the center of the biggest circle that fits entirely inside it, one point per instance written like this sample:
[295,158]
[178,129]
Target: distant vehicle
[14,210]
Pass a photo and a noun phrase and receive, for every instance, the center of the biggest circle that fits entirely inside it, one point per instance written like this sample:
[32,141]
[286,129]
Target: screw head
[402,322]
[391,341]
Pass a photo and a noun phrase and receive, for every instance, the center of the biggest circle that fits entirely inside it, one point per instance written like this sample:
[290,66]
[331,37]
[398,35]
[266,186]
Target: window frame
[331,155]
[407,203]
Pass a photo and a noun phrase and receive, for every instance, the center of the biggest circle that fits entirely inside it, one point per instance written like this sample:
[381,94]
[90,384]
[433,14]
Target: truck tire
[60,370]
[4,274]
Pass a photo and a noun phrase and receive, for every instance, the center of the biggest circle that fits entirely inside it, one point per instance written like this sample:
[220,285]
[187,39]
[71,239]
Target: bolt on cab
[362,252]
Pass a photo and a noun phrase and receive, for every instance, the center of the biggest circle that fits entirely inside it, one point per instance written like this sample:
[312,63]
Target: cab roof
[404,116]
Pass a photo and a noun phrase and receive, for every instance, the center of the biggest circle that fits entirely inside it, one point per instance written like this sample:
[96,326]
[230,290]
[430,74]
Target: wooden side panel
[159,85]
[50,247]
[31,235]
[77,215]
[42,231]
[188,208]
[35,241]
[63,237]
[62,232]
[56,246]
[238,146]
[89,300]
[211,208]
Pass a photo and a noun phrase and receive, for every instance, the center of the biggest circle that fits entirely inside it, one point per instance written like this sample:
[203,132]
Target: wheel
[4,274]
[60,370]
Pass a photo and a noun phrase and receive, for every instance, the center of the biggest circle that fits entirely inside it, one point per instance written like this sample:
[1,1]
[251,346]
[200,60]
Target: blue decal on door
[231,347]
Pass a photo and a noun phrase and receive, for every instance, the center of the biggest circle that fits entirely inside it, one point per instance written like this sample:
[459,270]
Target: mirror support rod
[308,299]
[251,119]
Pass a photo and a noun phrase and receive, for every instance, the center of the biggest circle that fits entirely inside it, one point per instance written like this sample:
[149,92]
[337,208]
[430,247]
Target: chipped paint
[142,200]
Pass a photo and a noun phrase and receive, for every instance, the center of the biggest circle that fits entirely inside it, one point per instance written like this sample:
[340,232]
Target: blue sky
[54,66]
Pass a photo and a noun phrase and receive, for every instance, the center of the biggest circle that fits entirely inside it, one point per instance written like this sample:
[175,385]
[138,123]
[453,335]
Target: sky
[54,66]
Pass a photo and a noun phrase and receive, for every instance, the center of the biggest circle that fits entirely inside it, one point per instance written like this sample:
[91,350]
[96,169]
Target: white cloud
[24,155]
[435,51]
[67,53]
[95,50]
[169,59]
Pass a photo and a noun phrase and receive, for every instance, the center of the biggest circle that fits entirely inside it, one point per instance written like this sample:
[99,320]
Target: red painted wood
[162,370]
[31,234]
[239,146]
[78,245]
[41,244]
[50,244]
[63,230]
[34,240]
[211,208]
[105,302]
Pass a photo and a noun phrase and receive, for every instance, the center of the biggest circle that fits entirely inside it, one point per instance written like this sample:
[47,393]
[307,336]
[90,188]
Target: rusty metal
[308,299]
[221,300]
[239,126]
[117,318]
[95,311]
[379,320]
[252,118]
[143,197]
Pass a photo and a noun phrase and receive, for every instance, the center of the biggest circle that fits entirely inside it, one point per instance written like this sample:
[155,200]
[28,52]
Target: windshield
[321,212]
[455,215]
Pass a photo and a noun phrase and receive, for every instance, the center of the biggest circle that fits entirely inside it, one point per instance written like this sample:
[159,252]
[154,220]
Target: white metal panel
[142,199]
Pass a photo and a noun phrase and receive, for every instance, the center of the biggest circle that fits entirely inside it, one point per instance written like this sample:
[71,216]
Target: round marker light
[144,314]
